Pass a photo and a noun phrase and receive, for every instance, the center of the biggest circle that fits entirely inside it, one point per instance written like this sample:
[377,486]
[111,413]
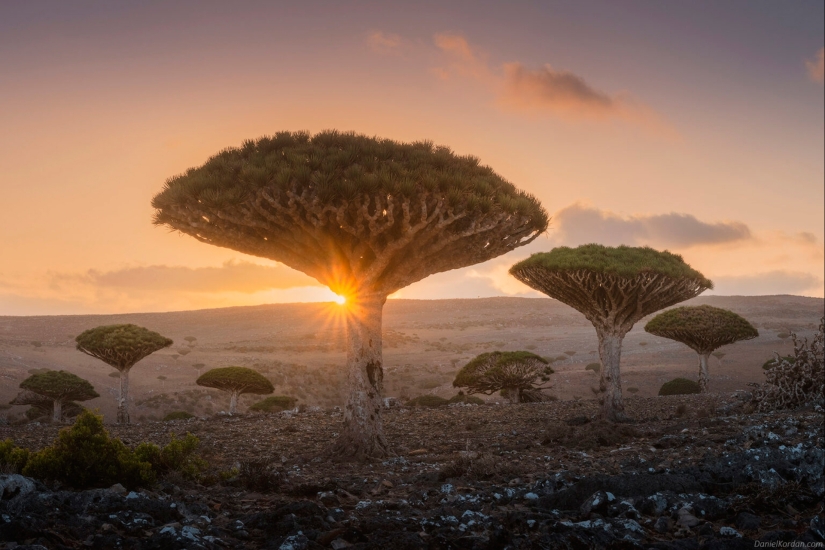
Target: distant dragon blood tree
[58,388]
[614,288]
[518,373]
[703,329]
[365,217]
[121,346]
[236,381]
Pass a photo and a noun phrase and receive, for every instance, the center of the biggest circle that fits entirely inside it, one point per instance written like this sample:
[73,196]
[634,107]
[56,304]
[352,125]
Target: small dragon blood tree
[235,381]
[365,217]
[121,346]
[704,329]
[57,387]
[614,288]
[515,372]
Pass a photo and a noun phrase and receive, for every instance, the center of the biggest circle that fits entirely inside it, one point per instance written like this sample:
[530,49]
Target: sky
[695,127]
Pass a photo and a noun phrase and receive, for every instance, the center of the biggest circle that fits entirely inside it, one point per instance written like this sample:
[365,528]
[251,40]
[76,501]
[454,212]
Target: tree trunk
[233,402]
[704,378]
[610,384]
[123,398]
[57,416]
[363,432]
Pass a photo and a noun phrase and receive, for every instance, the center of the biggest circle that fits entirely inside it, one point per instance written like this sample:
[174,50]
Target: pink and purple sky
[695,127]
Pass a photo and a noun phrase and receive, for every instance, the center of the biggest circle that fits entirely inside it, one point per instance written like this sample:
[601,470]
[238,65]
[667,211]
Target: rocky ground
[692,472]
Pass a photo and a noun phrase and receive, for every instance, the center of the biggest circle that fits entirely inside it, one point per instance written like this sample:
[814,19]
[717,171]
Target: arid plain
[300,347]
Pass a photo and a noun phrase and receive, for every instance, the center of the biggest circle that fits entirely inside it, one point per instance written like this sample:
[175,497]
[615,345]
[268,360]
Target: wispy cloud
[384,43]
[232,276]
[816,66]
[540,91]
[579,224]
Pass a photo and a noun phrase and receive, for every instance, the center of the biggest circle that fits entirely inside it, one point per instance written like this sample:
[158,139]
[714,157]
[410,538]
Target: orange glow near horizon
[340,300]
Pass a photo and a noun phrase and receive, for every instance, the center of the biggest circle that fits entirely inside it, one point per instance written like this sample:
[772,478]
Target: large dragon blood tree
[704,329]
[121,346]
[365,217]
[614,288]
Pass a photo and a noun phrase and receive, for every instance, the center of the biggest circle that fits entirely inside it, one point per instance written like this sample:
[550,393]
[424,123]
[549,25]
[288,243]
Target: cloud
[384,43]
[232,276]
[579,224]
[541,91]
[769,283]
[816,66]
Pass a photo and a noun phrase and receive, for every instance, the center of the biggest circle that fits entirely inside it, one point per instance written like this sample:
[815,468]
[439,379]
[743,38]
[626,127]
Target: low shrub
[478,466]
[595,367]
[12,457]
[85,456]
[178,415]
[259,475]
[633,389]
[276,403]
[427,401]
[679,386]
[461,398]
[177,456]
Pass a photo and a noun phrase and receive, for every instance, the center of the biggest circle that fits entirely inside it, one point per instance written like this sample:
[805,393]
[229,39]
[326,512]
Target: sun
[340,300]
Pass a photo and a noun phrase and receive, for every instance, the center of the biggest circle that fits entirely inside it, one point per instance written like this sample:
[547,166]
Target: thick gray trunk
[123,398]
[704,378]
[58,411]
[363,432]
[610,384]
[233,402]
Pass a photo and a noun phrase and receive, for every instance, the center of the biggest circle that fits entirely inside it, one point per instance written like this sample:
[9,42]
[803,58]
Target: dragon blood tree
[365,217]
[517,373]
[704,329]
[235,381]
[121,346]
[53,390]
[613,288]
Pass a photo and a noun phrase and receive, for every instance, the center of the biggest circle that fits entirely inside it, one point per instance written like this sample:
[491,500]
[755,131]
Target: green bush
[85,456]
[461,398]
[12,457]
[177,456]
[427,401]
[274,404]
[595,367]
[178,415]
[679,386]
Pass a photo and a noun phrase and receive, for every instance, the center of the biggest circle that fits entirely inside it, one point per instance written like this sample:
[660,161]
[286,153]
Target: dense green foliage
[178,455]
[121,346]
[60,385]
[679,386]
[772,362]
[236,379]
[337,167]
[462,398]
[427,401]
[12,457]
[84,456]
[274,404]
[623,261]
[505,371]
[178,415]
[703,328]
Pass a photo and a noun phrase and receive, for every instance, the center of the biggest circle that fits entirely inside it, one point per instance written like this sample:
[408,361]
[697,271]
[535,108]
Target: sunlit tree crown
[121,346]
[236,379]
[340,206]
[702,328]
